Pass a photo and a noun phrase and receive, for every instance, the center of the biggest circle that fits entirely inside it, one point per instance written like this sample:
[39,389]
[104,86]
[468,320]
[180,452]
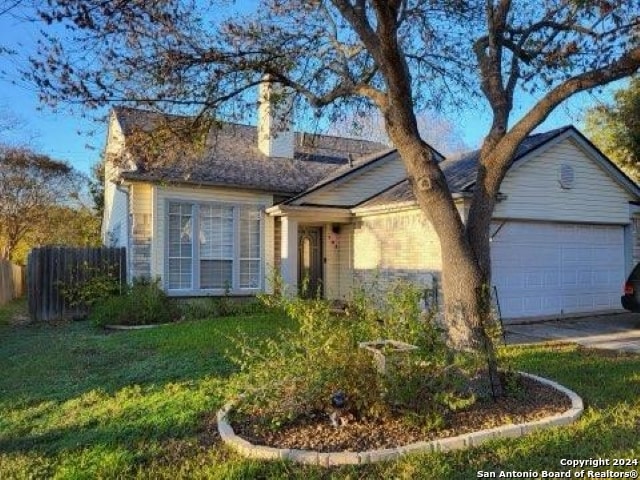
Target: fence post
[11,281]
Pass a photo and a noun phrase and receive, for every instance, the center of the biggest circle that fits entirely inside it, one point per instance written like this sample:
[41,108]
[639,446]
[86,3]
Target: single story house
[336,211]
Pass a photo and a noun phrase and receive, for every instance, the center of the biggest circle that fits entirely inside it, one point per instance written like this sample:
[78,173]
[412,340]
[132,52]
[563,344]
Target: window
[180,246]
[249,248]
[216,246]
[228,253]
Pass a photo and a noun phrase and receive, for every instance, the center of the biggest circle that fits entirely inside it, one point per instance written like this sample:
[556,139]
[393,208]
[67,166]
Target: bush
[296,374]
[198,308]
[143,303]
[211,307]
[99,284]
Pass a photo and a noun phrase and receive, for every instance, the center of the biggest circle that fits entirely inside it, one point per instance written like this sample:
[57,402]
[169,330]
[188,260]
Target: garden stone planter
[384,350]
[464,441]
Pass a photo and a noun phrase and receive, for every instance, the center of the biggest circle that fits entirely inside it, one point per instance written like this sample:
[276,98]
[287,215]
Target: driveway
[620,331]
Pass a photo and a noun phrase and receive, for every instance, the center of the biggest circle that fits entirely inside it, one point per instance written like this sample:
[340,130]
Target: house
[338,211]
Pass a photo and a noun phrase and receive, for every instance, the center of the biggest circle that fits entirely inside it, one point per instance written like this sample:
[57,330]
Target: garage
[545,268]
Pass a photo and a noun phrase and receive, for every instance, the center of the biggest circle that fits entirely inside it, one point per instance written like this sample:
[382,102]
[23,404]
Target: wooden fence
[11,281]
[52,269]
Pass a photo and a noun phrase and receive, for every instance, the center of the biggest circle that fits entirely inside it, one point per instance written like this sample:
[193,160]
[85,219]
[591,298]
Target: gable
[360,186]
[533,189]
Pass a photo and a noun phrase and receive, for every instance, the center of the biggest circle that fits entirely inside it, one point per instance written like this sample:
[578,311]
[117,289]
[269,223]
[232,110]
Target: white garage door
[548,269]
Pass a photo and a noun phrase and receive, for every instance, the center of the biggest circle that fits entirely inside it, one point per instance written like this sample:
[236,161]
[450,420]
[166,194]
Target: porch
[314,250]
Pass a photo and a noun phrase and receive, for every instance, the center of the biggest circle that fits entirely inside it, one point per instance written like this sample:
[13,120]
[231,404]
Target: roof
[359,165]
[460,171]
[231,157]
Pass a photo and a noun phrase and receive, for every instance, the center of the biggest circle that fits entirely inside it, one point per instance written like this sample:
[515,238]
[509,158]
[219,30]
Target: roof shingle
[232,158]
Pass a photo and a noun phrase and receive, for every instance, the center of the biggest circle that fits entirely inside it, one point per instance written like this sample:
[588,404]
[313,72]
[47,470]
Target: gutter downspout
[125,190]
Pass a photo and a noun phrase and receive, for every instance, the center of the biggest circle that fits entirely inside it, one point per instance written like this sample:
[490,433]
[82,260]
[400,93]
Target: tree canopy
[397,56]
[38,200]
[615,128]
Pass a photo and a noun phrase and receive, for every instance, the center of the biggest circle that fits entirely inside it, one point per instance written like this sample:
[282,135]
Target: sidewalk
[612,332]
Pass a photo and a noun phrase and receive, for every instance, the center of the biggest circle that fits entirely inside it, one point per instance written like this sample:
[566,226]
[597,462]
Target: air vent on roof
[566,176]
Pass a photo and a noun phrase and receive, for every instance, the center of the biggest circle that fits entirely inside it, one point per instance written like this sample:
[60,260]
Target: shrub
[143,303]
[211,307]
[99,284]
[198,308]
[295,375]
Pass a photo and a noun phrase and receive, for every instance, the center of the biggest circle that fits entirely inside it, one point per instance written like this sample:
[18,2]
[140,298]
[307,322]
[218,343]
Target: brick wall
[396,246]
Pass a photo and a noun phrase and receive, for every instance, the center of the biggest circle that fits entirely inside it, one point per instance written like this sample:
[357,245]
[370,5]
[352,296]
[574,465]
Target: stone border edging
[459,442]
[135,327]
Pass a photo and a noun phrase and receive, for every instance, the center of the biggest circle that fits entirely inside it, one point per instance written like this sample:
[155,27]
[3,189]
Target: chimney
[275,135]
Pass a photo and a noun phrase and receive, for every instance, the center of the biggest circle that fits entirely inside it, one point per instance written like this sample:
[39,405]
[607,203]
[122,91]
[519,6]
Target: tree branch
[623,67]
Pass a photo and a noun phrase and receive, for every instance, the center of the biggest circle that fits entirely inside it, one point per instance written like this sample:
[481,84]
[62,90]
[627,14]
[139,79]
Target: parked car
[631,298]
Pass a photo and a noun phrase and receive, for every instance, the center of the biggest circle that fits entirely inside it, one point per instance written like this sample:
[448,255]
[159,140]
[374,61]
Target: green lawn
[76,402]
[12,309]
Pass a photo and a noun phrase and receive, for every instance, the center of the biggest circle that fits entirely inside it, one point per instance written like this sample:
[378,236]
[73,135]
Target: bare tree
[398,56]
[434,129]
[14,130]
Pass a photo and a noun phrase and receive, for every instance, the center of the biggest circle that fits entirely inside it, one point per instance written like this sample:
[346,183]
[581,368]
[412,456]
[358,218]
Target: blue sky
[62,133]
[73,135]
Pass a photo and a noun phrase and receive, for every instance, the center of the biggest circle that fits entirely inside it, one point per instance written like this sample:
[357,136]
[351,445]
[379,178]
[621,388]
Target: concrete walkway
[620,331]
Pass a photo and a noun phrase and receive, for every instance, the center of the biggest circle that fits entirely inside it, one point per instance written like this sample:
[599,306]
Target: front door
[310,262]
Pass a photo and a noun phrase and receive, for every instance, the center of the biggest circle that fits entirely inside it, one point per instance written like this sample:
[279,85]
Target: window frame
[167,245]
[195,289]
[240,258]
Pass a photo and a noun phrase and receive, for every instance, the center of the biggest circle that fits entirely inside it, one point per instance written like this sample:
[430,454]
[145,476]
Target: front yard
[76,402]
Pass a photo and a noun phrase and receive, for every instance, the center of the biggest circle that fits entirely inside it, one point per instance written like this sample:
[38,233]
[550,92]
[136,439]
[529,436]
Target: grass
[12,309]
[76,402]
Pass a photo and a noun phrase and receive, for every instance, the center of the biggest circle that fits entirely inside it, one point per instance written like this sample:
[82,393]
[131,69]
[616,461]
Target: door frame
[318,285]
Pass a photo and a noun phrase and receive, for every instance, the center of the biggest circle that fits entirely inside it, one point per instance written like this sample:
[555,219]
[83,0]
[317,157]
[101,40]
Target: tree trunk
[467,306]
[464,281]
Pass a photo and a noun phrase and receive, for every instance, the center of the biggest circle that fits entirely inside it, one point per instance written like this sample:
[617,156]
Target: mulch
[534,401]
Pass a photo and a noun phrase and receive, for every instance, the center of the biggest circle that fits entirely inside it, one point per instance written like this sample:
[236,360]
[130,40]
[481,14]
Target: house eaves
[334,180]
[146,178]
[316,214]
[586,145]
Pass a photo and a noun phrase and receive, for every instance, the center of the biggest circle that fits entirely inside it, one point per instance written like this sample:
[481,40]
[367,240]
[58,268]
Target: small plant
[226,306]
[92,285]
[213,307]
[198,308]
[144,303]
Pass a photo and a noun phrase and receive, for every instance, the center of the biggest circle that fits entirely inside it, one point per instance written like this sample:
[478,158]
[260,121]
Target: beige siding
[534,192]
[363,186]
[141,199]
[200,194]
[339,262]
[345,277]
